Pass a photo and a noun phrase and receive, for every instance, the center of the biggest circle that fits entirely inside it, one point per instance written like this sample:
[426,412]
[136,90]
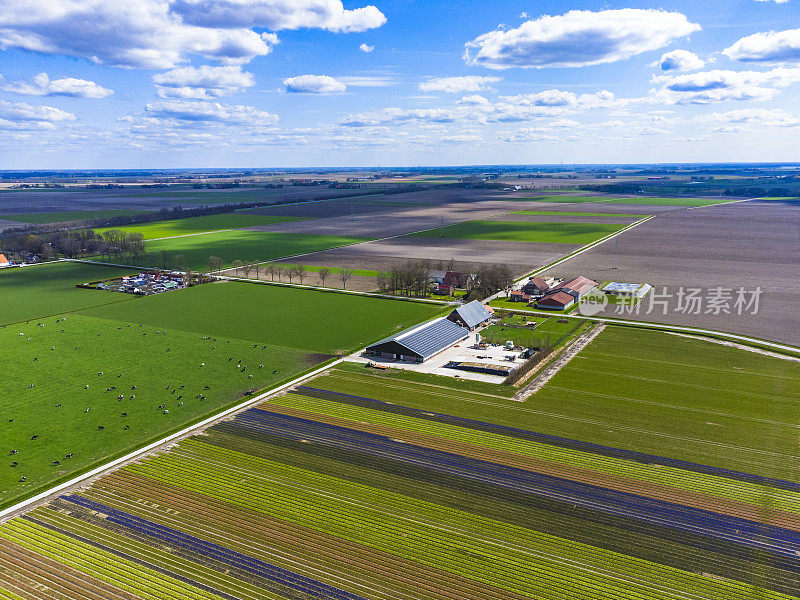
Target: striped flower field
[320,493]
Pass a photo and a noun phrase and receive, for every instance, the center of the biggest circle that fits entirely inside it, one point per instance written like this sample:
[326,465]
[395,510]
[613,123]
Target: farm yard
[534,332]
[392,486]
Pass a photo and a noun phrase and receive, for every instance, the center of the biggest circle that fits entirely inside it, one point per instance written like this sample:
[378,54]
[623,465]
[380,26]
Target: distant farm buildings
[419,343]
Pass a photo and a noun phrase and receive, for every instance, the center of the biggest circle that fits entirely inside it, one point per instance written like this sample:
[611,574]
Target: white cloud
[457,85]
[314,84]
[366,48]
[578,38]
[775,1]
[21,116]
[202,83]
[159,34]
[771,118]
[679,60]
[209,112]
[279,14]
[773,46]
[42,85]
[720,85]
[368,81]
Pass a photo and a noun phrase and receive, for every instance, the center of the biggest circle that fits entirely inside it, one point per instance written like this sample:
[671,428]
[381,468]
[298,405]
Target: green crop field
[247,246]
[193,225]
[567,199]
[649,391]
[544,330]
[521,231]
[555,213]
[647,200]
[64,366]
[313,320]
[71,215]
[49,289]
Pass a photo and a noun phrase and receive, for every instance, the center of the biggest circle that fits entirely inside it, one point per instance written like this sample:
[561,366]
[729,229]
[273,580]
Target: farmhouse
[470,315]
[419,343]
[519,296]
[536,286]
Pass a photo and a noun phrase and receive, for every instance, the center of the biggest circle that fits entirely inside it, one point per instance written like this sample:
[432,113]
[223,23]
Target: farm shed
[419,343]
[558,300]
[616,288]
[470,315]
[579,285]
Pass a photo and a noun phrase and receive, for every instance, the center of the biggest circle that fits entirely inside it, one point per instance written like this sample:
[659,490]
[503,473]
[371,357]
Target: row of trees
[113,244]
[279,272]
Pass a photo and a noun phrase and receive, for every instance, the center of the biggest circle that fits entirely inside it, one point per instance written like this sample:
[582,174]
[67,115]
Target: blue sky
[259,83]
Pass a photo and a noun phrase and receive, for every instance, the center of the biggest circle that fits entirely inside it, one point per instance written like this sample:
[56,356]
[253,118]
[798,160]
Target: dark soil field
[744,245]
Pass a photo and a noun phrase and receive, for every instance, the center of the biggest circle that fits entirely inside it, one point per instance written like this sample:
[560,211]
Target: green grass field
[555,213]
[567,199]
[193,225]
[520,231]
[312,320]
[247,246]
[66,354]
[72,215]
[49,289]
[547,329]
[648,391]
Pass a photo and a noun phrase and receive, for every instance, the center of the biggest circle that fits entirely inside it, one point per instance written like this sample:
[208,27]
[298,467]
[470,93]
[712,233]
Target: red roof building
[558,300]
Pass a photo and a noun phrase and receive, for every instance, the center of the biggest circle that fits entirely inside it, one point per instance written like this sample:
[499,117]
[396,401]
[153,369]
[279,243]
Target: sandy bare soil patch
[748,244]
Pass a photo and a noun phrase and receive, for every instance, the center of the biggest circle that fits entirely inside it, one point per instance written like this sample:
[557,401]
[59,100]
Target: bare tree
[290,272]
[180,262]
[300,271]
[383,279]
[271,270]
[246,268]
[323,274]
[237,265]
[215,264]
[344,275]
[256,268]
[166,259]
[279,272]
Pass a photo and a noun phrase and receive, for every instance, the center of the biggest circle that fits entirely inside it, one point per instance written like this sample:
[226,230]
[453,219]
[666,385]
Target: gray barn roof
[473,313]
[427,339]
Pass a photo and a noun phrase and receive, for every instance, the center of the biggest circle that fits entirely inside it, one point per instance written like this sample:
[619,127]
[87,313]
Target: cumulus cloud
[773,46]
[202,83]
[366,48]
[22,116]
[42,85]
[209,112]
[279,14]
[314,84]
[719,85]
[679,60]
[159,34]
[457,85]
[578,38]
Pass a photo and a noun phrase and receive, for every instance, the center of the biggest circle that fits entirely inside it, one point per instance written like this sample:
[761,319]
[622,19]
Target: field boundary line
[42,497]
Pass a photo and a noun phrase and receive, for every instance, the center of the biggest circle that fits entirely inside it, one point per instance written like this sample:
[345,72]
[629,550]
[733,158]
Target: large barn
[420,343]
